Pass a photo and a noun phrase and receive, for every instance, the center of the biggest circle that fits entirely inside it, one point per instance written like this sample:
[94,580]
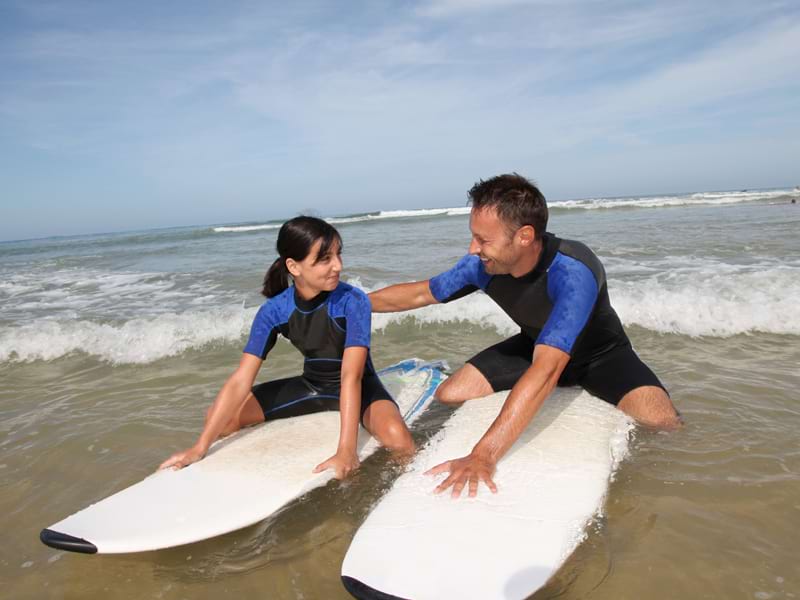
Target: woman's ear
[292,267]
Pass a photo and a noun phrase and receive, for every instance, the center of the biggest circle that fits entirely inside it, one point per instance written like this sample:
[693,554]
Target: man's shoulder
[570,251]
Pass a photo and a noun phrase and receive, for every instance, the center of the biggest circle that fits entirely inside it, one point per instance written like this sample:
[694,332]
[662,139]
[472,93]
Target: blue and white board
[416,544]
[243,479]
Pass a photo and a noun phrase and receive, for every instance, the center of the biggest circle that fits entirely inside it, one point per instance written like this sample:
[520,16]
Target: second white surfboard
[416,544]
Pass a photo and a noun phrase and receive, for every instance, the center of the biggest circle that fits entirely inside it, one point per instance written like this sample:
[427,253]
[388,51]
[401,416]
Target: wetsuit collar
[550,245]
[309,305]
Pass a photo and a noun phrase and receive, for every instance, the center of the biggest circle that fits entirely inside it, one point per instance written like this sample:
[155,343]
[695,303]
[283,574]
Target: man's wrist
[485,451]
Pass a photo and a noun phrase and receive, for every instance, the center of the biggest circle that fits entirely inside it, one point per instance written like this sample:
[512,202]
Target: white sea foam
[73,292]
[242,228]
[476,309]
[137,341]
[719,301]
[713,303]
[384,214]
[712,300]
[703,198]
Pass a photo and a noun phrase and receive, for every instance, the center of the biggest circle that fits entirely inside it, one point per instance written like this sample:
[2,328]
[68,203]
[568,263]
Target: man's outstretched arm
[522,403]
[402,296]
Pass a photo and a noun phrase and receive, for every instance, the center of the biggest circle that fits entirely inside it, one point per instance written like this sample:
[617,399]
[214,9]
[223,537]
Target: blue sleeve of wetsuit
[573,291]
[358,314]
[464,278]
[264,330]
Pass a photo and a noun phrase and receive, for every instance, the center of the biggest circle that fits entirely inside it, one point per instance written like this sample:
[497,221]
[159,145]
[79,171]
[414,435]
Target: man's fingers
[473,486]
[440,468]
[446,483]
[487,479]
[458,486]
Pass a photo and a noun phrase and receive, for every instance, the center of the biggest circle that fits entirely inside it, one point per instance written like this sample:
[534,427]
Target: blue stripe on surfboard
[435,380]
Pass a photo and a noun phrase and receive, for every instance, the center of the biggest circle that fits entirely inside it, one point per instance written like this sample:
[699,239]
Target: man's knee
[652,407]
[465,384]
[449,394]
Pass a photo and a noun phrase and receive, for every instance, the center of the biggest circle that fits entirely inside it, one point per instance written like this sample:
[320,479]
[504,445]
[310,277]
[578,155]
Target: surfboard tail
[62,541]
[362,591]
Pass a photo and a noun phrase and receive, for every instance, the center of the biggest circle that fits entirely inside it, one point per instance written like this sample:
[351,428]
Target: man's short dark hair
[518,201]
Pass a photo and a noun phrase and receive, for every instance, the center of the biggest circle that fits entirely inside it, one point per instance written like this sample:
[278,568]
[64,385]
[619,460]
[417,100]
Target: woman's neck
[305,291]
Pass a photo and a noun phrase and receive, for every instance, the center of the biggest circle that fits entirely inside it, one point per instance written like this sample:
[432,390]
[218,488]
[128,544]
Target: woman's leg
[383,420]
[249,414]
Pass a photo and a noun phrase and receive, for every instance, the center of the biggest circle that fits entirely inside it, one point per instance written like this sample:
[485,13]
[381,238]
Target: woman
[329,322]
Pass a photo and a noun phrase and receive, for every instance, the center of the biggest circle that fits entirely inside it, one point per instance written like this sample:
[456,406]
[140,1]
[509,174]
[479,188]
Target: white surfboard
[416,544]
[242,480]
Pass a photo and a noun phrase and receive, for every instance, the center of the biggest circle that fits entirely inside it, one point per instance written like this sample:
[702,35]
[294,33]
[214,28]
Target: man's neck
[529,260]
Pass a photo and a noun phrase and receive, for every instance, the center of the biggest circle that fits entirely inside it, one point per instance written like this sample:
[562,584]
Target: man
[555,290]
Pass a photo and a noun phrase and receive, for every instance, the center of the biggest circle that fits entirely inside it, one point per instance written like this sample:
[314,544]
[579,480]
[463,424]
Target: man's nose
[474,247]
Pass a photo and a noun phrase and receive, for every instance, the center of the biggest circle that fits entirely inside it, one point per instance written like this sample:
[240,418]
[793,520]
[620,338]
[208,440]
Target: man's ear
[292,267]
[526,235]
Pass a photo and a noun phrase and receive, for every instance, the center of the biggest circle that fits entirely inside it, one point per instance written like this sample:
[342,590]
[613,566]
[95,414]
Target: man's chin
[492,268]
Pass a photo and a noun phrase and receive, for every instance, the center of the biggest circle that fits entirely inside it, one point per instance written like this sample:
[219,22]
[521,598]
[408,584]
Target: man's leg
[494,369]
[464,384]
[621,378]
[651,407]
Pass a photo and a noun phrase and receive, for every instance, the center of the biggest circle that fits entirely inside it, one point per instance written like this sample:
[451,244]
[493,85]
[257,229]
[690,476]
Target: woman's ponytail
[276,279]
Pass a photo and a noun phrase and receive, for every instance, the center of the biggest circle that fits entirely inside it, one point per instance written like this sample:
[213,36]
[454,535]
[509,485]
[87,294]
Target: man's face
[492,242]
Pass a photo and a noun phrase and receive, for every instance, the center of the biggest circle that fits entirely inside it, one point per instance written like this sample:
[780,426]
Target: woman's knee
[396,437]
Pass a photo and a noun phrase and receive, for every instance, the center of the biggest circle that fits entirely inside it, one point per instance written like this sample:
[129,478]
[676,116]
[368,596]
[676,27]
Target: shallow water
[111,347]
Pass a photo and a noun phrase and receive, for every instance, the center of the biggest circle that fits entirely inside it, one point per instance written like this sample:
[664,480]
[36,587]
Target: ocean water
[112,346]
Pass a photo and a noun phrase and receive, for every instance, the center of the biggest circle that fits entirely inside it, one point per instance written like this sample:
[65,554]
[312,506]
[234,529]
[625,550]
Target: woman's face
[317,273]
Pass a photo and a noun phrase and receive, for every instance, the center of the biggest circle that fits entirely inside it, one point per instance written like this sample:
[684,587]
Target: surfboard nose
[62,541]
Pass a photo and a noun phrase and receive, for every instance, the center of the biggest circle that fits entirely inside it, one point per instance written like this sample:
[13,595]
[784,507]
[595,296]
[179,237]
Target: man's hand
[342,463]
[471,469]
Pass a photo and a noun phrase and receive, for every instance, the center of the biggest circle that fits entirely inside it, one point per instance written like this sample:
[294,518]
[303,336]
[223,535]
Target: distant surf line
[693,199]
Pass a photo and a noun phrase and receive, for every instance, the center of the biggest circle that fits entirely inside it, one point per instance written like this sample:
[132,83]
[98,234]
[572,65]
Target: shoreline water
[111,347]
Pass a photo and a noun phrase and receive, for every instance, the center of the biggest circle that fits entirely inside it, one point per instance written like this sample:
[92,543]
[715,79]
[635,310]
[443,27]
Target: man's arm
[520,406]
[402,296]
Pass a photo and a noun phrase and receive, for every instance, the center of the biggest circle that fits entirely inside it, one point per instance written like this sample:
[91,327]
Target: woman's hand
[342,463]
[183,458]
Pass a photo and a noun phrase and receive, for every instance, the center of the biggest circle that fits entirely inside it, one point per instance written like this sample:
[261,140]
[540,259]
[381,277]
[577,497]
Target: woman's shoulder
[278,305]
[346,295]
[345,291]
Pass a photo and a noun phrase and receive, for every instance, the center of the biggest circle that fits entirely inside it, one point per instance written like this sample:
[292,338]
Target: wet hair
[517,200]
[295,239]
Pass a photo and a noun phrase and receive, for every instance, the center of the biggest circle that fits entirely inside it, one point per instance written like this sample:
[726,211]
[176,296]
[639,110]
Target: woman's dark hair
[518,201]
[295,239]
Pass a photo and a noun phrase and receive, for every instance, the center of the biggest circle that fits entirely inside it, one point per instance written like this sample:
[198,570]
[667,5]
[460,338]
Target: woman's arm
[227,405]
[346,458]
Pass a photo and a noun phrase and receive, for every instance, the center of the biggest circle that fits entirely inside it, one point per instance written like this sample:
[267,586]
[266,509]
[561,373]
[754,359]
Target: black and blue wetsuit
[563,302]
[320,328]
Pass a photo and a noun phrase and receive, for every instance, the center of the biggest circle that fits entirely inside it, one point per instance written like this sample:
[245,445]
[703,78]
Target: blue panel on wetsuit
[352,304]
[264,330]
[465,277]
[572,289]
[320,328]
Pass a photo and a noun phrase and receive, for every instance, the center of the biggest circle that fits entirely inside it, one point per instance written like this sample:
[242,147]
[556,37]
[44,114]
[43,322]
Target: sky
[133,115]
